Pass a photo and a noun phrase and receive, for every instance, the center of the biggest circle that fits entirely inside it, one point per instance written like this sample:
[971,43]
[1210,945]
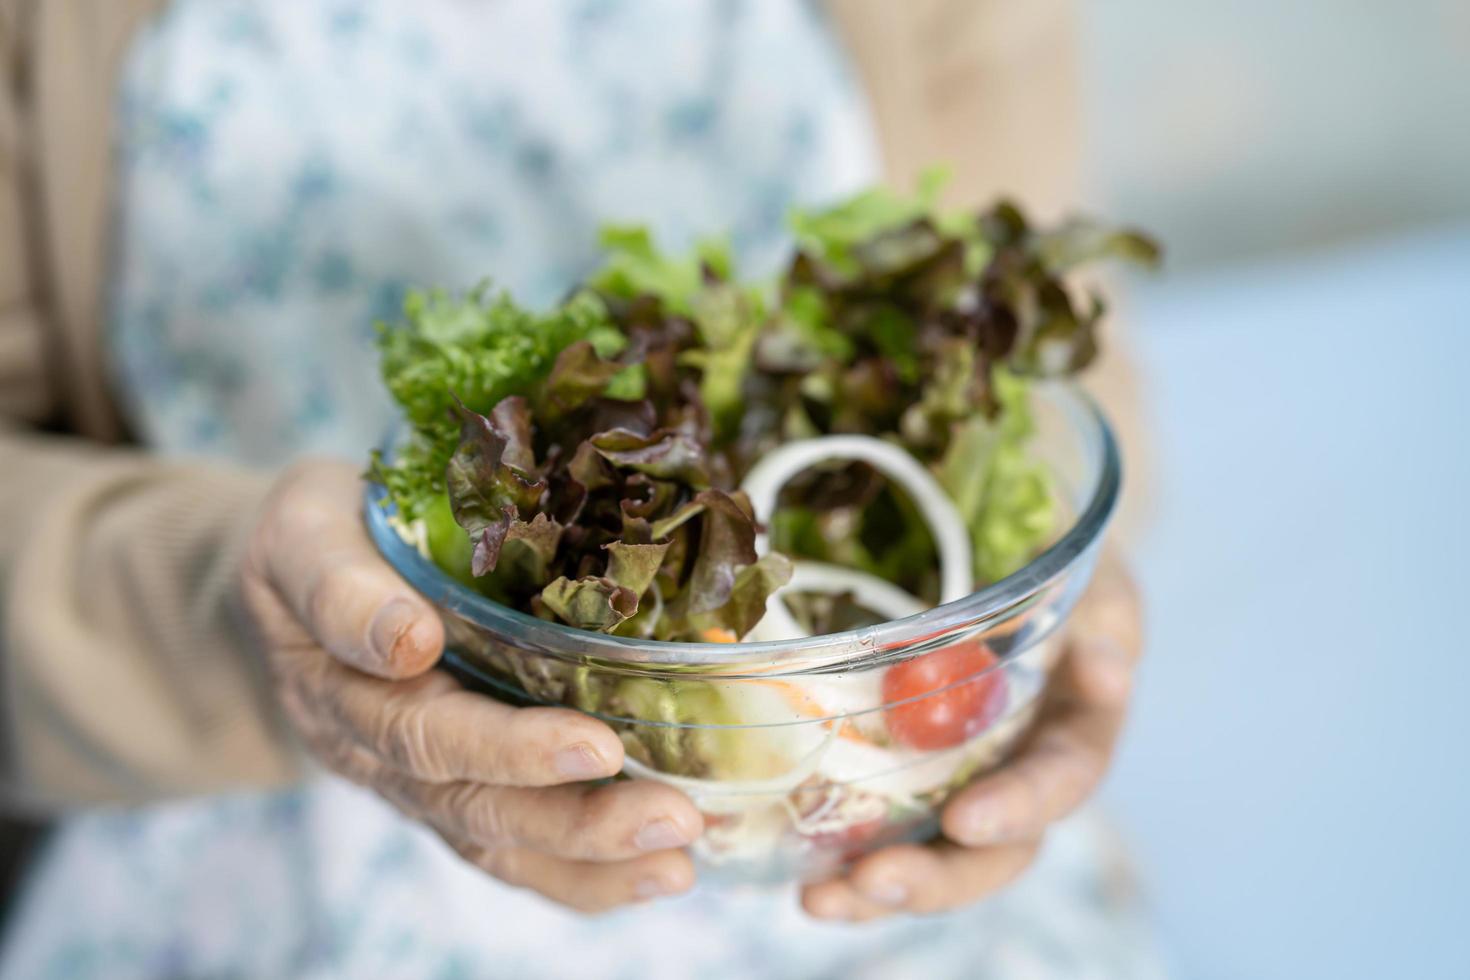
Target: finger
[315,552]
[1056,770]
[430,728]
[583,823]
[933,878]
[586,887]
[838,901]
[327,744]
[1110,609]
[1097,672]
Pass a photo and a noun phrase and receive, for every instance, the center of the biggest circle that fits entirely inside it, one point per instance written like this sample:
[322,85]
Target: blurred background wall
[1293,778]
[1252,126]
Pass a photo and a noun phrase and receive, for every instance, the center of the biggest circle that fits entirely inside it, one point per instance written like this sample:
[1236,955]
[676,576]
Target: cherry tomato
[950,716]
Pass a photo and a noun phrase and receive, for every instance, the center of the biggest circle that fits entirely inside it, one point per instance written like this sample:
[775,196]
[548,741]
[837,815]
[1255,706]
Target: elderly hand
[350,646]
[993,828]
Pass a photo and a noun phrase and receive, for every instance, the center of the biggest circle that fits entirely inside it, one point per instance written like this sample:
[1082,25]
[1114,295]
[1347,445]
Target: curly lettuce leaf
[479,348]
[600,496]
[833,233]
[634,267]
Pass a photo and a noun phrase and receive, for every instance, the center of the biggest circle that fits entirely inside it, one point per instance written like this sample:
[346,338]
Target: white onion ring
[952,538]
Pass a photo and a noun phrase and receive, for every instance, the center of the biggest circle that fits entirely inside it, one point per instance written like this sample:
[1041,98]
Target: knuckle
[297,685]
[400,791]
[474,809]
[523,743]
[307,514]
[277,522]
[587,830]
[404,738]
[340,757]
[320,695]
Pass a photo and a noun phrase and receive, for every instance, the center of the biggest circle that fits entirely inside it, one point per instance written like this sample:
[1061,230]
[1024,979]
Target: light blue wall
[1243,126]
[1296,776]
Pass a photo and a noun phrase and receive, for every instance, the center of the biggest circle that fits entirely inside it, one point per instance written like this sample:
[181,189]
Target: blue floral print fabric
[285,170]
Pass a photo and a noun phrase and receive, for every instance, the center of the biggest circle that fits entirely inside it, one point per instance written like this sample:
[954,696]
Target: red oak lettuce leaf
[577,376]
[746,603]
[669,454]
[493,468]
[726,544]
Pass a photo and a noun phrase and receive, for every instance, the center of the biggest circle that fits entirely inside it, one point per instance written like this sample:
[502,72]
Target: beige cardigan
[126,675]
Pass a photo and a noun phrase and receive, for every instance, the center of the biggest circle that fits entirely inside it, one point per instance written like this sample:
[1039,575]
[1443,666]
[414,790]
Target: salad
[674,454]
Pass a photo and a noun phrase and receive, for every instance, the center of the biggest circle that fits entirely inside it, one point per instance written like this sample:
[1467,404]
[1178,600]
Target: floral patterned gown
[286,169]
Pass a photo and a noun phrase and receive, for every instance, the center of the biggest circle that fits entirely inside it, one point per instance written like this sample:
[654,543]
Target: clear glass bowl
[783,745]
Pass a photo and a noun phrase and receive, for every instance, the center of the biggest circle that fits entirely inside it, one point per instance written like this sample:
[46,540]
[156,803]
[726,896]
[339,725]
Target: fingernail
[984,824]
[658,835]
[390,626]
[580,762]
[888,892]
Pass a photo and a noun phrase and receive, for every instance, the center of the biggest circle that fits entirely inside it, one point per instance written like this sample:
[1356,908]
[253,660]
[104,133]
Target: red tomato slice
[951,716]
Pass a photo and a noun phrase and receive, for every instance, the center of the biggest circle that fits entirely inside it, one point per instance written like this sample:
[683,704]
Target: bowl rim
[848,646]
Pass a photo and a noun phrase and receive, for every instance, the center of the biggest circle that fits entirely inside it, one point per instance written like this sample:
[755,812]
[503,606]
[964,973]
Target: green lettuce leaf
[1001,491]
[633,566]
[833,233]
[591,603]
[634,267]
[589,460]
[479,348]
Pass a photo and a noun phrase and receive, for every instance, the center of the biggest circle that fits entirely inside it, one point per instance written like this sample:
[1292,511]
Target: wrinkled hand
[351,646]
[993,828]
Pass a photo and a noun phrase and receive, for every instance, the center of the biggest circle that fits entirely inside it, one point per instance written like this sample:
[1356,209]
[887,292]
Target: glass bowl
[790,748]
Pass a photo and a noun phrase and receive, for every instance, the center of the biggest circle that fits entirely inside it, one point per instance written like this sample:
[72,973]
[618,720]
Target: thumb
[320,561]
